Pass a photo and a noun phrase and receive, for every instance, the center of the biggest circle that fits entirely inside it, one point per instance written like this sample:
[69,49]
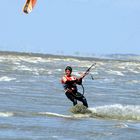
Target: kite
[28,6]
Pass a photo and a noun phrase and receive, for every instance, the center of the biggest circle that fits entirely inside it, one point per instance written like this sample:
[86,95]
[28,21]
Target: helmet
[68,68]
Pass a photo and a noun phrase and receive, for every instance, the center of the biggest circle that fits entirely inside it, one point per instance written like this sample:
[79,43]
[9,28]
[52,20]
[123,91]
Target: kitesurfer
[70,87]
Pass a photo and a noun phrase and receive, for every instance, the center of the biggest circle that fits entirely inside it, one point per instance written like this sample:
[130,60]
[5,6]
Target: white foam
[35,71]
[6,114]
[133,81]
[121,67]
[121,125]
[81,115]
[55,114]
[115,73]
[34,60]
[24,68]
[7,79]
[134,71]
[118,111]
[73,116]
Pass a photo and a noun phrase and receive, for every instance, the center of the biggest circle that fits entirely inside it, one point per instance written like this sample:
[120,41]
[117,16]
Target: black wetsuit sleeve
[79,81]
[71,82]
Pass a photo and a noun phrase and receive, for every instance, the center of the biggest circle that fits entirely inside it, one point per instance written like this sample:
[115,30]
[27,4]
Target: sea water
[33,105]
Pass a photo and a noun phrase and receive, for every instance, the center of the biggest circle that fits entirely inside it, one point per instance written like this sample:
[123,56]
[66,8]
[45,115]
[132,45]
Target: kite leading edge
[28,6]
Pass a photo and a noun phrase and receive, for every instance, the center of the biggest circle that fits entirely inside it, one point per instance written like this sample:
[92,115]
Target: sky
[71,27]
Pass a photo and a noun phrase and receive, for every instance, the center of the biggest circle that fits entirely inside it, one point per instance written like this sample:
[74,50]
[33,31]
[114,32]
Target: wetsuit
[71,91]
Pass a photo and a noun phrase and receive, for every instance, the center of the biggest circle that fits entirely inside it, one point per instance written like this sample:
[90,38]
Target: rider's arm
[79,81]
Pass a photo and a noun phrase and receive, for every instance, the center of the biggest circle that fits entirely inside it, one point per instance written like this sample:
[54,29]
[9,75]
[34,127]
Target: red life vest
[66,78]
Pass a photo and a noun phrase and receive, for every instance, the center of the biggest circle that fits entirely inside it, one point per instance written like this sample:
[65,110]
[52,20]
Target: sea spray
[117,111]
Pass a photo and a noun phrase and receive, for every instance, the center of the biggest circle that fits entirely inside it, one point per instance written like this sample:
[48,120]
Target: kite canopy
[28,6]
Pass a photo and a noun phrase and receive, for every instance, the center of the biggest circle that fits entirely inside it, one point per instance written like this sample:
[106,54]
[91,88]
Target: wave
[51,114]
[6,114]
[6,79]
[41,57]
[115,73]
[125,57]
[116,111]
[133,82]
[39,63]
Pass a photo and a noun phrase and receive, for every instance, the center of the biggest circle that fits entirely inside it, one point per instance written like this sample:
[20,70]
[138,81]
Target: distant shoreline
[112,57]
[49,55]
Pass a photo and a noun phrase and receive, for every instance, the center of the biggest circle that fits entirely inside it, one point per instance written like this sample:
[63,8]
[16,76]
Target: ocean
[33,105]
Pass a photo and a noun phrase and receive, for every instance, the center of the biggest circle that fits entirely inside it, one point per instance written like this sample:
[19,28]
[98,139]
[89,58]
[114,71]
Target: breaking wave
[6,79]
[6,114]
[116,111]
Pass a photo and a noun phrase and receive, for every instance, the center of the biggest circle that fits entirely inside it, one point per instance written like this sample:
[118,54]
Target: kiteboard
[28,6]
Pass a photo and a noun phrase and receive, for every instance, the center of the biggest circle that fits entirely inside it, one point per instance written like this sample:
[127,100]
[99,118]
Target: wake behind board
[80,109]
[28,6]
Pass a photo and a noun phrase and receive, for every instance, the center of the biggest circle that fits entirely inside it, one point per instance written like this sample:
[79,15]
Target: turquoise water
[33,105]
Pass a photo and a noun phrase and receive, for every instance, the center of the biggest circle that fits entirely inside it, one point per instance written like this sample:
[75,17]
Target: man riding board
[70,87]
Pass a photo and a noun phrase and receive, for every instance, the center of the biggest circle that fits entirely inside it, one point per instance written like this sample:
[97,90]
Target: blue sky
[70,27]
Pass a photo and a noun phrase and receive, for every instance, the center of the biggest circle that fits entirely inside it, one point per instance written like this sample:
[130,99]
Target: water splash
[117,111]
